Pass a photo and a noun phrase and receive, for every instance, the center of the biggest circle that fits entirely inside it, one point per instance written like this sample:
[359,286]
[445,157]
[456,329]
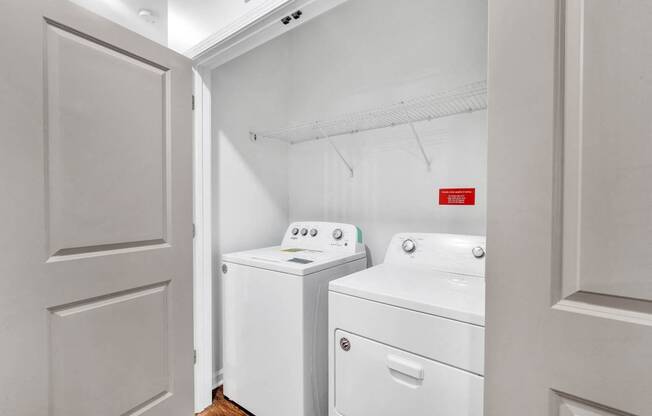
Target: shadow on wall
[250,180]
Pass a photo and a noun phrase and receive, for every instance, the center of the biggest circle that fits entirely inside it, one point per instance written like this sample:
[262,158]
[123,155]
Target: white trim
[202,257]
[255,29]
[237,26]
[218,378]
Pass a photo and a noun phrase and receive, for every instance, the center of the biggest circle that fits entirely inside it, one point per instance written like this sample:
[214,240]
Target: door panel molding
[568,405]
[603,249]
[106,249]
[560,319]
[606,306]
[107,172]
[106,300]
[87,336]
[100,42]
[149,404]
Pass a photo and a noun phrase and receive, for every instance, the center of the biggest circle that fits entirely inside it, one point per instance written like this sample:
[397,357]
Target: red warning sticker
[457,196]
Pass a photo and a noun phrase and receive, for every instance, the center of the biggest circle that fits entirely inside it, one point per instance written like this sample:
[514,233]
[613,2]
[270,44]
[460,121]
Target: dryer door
[374,379]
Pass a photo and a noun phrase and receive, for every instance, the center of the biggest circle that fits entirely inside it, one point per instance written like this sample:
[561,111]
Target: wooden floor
[222,407]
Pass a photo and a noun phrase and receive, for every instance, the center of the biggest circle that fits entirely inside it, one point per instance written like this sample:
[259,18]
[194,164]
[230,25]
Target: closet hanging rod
[464,99]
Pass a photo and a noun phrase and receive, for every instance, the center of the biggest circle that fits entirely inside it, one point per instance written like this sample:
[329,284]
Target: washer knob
[478,252]
[409,246]
[337,234]
[313,232]
[304,231]
[295,231]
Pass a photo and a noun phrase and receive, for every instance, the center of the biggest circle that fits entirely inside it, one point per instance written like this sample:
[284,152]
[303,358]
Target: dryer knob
[313,232]
[337,234]
[345,344]
[304,231]
[295,231]
[409,246]
[478,252]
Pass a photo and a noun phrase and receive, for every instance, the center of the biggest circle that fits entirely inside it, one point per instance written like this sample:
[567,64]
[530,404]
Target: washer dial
[409,246]
[337,234]
[313,232]
[304,231]
[295,231]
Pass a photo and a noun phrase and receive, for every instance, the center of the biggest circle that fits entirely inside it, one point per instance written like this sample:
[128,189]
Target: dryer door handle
[406,367]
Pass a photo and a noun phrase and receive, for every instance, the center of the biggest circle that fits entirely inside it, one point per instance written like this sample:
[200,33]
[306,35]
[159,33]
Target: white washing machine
[275,322]
[407,337]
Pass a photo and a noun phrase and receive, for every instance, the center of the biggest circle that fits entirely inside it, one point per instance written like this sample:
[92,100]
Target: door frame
[202,243]
[250,31]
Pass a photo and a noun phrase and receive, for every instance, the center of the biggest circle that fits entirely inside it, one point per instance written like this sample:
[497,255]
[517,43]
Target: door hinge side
[194,232]
[193,101]
[194,356]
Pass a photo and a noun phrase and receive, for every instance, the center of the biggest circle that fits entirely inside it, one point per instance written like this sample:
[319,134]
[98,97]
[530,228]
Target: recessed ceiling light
[147,15]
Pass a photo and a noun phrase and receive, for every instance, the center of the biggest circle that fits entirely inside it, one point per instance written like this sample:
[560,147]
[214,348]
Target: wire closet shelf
[464,99]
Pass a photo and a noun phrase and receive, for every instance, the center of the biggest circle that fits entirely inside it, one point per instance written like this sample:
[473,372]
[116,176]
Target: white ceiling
[125,13]
[180,24]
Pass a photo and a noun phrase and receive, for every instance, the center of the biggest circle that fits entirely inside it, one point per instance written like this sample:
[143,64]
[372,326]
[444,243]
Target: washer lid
[296,261]
[449,295]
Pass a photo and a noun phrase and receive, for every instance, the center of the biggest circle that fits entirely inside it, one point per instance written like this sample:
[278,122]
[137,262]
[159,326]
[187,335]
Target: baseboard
[218,378]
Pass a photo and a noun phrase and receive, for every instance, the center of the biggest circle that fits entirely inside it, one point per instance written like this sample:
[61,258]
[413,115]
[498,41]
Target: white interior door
[95,235]
[569,278]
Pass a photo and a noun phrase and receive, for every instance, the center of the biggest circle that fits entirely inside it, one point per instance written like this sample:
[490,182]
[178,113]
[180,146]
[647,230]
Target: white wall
[250,186]
[391,190]
[371,52]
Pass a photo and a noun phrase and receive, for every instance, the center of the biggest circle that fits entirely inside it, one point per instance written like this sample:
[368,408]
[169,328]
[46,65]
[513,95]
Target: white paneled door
[95,218]
[569,279]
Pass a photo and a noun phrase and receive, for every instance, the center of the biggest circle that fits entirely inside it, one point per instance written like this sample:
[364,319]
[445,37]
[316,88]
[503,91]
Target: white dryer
[407,337]
[275,322]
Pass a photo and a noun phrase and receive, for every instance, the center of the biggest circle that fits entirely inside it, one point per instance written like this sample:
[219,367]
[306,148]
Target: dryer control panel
[454,253]
[323,236]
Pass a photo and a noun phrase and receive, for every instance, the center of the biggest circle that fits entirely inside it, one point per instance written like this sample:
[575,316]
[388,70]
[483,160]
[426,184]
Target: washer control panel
[455,253]
[323,236]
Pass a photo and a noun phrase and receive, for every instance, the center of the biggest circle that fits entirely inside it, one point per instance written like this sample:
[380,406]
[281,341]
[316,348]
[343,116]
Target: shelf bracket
[347,164]
[423,151]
